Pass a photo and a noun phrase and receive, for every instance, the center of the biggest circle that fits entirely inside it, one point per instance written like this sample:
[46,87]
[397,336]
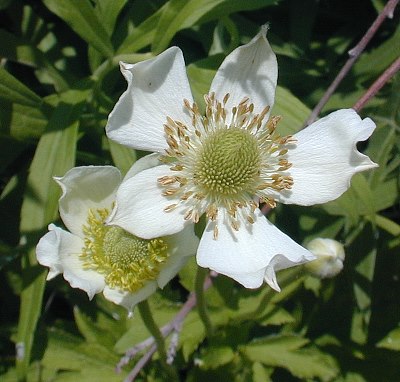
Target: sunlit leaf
[80,16]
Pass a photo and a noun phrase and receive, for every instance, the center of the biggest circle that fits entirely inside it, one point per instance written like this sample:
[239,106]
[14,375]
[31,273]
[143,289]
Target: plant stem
[165,330]
[201,302]
[354,54]
[377,85]
[153,328]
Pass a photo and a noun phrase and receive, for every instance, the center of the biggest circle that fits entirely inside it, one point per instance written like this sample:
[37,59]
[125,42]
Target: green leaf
[81,17]
[259,373]
[24,123]
[15,91]
[141,36]
[216,357]
[292,111]
[286,351]
[391,341]
[20,50]
[74,360]
[123,157]
[181,14]
[108,11]
[55,154]
[386,224]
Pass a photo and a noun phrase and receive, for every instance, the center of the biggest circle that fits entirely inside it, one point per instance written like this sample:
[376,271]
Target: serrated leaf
[13,90]
[287,352]
[74,360]
[81,17]
[92,333]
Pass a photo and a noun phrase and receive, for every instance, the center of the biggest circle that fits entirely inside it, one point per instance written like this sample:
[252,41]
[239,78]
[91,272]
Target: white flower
[99,258]
[330,256]
[223,162]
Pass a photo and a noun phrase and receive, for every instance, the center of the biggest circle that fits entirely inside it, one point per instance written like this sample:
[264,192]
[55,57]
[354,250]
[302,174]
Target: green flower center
[228,163]
[126,261]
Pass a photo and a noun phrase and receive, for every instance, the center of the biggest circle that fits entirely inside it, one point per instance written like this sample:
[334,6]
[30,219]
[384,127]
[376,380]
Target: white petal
[139,207]
[144,163]
[251,253]
[59,250]
[325,158]
[249,71]
[156,89]
[182,245]
[84,188]
[129,300]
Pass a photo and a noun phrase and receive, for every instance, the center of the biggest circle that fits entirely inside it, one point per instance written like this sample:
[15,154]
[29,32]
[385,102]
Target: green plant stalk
[153,328]
[201,302]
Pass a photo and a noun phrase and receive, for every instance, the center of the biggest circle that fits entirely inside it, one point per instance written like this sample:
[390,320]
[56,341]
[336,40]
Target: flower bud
[330,257]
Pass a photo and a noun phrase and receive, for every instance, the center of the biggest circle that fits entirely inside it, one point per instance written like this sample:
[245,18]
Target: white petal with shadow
[139,207]
[246,255]
[84,188]
[250,71]
[156,89]
[325,157]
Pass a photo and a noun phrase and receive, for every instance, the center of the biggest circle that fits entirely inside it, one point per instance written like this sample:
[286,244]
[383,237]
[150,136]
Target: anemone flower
[222,163]
[99,258]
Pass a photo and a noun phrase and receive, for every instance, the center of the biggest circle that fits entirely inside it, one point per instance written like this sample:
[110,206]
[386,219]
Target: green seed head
[123,248]
[228,163]
[126,261]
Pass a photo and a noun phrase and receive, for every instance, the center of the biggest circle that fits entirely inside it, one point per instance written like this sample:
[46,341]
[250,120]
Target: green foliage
[59,80]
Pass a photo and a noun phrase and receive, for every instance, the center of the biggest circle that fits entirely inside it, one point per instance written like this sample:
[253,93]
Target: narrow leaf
[15,91]
[55,154]
[80,16]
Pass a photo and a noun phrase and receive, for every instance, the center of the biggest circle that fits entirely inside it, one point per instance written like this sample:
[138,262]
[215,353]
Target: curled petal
[129,300]
[249,71]
[156,89]
[325,157]
[84,188]
[59,250]
[250,254]
[139,207]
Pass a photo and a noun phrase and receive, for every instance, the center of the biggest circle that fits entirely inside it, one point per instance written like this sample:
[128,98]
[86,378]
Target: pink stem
[354,54]
[377,85]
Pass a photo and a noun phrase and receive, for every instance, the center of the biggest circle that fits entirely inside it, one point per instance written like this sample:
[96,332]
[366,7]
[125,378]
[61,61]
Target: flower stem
[377,85]
[354,54]
[201,302]
[153,328]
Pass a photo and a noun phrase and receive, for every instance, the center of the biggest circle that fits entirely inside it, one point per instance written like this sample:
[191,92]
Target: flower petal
[139,207]
[250,254]
[249,71]
[156,89]
[129,300]
[144,163]
[182,245]
[326,157]
[59,250]
[84,188]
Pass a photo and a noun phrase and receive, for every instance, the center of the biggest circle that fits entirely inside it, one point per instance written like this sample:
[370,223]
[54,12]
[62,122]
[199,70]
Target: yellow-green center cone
[126,261]
[228,163]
